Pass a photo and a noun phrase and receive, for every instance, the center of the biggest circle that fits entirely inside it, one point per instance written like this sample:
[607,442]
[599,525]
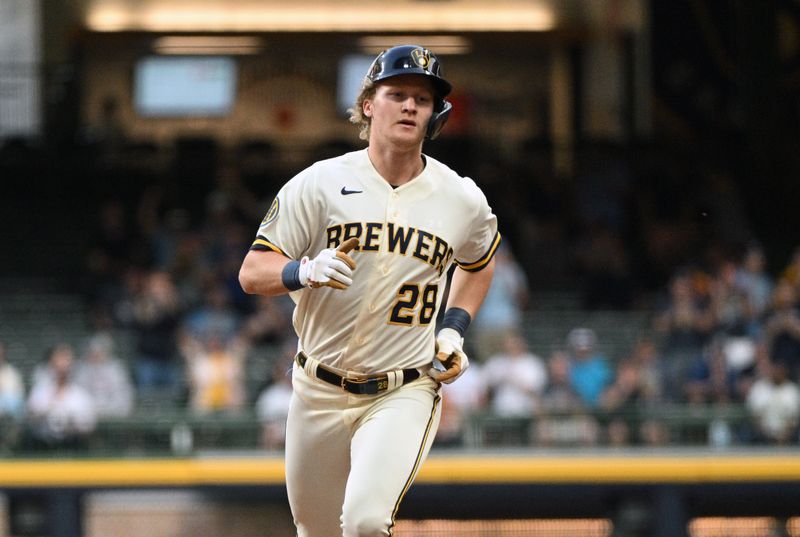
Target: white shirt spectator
[61,412]
[105,378]
[516,378]
[469,393]
[460,400]
[272,405]
[776,407]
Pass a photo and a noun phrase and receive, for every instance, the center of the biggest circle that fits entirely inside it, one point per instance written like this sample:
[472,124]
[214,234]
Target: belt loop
[311,366]
[395,379]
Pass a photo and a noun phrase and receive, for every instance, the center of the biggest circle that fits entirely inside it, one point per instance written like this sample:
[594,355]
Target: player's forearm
[468,289]
[261,273]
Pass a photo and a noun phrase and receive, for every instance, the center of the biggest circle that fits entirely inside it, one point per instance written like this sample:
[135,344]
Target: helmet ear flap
[438,119]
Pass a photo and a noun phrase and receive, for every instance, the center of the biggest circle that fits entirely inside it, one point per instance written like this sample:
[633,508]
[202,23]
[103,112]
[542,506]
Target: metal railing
[179,432]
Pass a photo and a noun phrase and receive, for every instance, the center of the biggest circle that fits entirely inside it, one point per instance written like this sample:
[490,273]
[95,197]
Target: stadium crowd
[723,330]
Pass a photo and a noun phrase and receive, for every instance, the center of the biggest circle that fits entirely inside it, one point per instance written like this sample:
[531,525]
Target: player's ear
[366,108]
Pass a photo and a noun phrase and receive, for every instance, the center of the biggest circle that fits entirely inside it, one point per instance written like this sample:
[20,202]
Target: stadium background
[659,133]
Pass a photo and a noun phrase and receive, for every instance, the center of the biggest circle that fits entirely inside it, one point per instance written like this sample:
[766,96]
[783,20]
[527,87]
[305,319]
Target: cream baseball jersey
[408,238]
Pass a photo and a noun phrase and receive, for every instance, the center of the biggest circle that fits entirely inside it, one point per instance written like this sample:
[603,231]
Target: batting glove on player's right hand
[332,268]
[449,352]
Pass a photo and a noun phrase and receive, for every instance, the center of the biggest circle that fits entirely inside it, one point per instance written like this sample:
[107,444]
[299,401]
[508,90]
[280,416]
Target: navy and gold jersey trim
[483,261]
[263,244]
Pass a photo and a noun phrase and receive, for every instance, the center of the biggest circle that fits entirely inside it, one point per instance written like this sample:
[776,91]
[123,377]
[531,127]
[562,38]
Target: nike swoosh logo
[345,192]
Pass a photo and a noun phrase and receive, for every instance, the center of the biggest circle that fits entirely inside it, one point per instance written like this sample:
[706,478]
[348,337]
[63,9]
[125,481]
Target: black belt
[365,386]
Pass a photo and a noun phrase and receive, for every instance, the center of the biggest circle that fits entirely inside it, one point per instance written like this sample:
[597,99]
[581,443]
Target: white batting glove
[332,268]
[450,353]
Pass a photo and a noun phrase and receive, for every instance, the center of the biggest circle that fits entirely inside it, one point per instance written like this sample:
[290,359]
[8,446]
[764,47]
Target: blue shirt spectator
[12,389]
[589,373]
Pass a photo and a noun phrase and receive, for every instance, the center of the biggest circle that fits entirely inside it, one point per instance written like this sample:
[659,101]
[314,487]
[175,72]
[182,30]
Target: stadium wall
[77,497]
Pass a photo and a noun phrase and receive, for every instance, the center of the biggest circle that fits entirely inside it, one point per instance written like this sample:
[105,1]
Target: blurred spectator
[225,237]
[516,378]
[774,404]
[223,234]
[174,246]
[272,405]
[12,401]
[564,419]
[61,414]
[501,312]
[633,390]
[270,322]
[215,370]
[684,325]
[706,381]
[737,359]
[109,254]
[730,304]
[156,314]
[215,316]
[753,279]
[791,273]
[782,328]
[628,391]
[12,388]
[646,355]
[167,233]
[697,384]
[105,378]
[654,433]
[226,270]
[589,370]
[460,401]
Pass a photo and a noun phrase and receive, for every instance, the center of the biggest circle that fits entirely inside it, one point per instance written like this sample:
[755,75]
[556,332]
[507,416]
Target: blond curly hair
[357,116]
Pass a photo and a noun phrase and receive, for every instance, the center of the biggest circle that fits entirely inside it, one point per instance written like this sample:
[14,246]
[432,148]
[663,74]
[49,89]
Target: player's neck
[396,167]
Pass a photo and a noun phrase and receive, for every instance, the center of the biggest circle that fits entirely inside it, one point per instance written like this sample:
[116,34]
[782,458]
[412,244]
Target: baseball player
[363,242]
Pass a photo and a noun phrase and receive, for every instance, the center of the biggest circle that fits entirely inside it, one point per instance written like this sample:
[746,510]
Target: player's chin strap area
[367,385]
[438,119]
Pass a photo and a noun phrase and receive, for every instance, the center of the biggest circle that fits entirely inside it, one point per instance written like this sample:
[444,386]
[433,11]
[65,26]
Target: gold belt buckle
[351,380]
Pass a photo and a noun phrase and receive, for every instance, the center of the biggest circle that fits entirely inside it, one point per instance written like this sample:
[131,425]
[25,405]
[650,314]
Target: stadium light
[208,45]
[320,16]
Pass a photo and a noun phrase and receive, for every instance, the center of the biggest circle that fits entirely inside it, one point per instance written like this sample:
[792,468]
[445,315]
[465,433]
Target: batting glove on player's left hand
[449,352]
[332,268]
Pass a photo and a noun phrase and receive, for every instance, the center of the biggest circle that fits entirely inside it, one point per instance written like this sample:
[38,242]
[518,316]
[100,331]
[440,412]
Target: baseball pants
[350,459]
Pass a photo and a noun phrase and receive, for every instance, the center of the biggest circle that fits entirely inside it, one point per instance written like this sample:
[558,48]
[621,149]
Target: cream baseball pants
[350,459]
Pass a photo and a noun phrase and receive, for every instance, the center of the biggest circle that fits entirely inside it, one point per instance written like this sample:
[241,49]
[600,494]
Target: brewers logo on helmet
[421,57]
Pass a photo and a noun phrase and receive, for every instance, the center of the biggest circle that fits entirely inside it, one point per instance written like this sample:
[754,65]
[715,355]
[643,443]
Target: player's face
[400,110]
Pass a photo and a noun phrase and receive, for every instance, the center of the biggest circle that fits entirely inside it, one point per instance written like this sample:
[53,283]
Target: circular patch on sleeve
[272,213]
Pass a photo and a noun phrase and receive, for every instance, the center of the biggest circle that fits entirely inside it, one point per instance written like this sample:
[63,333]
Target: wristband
[458,319]
[291,276]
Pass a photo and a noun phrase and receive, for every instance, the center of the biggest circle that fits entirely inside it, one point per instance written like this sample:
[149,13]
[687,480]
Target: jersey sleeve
[286,228]
[483,238]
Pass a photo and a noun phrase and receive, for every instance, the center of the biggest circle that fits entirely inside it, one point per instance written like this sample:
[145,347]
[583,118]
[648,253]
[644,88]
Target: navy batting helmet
[415,60]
